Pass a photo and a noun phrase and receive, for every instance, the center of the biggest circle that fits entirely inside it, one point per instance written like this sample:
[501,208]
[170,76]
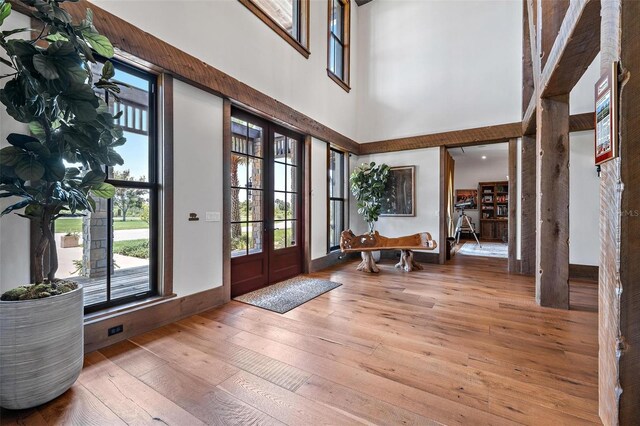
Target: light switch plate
[212,216]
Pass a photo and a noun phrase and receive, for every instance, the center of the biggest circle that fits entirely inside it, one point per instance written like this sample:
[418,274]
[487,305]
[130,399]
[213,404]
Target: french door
[266,203]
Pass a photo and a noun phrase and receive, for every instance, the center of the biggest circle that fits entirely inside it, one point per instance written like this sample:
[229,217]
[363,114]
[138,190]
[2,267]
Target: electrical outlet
[115,330]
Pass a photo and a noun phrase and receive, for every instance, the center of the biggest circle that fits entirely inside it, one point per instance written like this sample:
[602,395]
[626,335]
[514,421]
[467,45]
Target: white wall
[584,201]
[197,188]
[434,66]
[319,227]
[581,98]
[14,230]
[427,162]
[226,35]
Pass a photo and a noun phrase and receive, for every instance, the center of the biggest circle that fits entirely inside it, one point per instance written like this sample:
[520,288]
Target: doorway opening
[479,200]
[266,203]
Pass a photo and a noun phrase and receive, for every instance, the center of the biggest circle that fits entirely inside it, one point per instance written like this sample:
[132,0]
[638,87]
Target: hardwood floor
[462,343]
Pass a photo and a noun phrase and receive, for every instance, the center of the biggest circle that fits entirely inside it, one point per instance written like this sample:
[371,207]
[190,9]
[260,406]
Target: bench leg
[406,261]
[368,264]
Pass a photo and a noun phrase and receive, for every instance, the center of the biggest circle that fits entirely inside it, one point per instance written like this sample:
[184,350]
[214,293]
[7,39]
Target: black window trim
[342,200]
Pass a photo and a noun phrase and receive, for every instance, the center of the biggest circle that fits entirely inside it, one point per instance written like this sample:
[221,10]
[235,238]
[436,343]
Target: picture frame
[400,192]
[464,195]
[606,116]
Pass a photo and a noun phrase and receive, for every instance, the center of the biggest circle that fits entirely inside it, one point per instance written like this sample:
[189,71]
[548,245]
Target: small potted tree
[53,172]
[367,186]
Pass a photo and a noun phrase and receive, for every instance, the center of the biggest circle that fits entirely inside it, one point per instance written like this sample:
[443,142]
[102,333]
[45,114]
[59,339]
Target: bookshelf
[494,210]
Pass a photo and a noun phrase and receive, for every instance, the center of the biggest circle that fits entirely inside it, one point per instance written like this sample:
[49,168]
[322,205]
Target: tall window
[337,197]
[288,18]
[338,42]
[113,252]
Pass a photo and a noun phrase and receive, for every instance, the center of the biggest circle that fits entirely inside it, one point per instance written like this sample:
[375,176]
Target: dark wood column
[619,289]
[552,205]
[528,205]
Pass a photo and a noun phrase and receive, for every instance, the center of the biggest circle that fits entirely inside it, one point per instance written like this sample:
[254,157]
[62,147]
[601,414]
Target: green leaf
[37,130]
[19,140]
[104,190]
[99,43]
[93,178]
[16,206]
[56,168]
[108,71]
[29,168]
[10,156]
[45,66]
[5,11]
[56,37]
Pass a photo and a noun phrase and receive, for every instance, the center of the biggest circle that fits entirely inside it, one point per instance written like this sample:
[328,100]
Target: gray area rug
[286,295]
[488,249]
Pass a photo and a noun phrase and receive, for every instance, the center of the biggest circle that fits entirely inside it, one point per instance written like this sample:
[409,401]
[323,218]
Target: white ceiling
[492,152]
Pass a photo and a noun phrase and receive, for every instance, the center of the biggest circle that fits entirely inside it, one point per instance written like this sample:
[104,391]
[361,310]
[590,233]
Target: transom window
[337,197]
[338,42]
[288,18]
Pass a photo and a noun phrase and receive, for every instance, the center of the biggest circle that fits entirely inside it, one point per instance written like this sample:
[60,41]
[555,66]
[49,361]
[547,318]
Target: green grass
[133,248]
[75,224]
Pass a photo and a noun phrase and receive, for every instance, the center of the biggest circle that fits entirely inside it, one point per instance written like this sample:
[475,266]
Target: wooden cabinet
[493,201]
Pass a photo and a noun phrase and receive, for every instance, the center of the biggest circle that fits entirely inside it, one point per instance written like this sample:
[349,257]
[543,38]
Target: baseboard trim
[331,259]
[576,272]
[584,272]
[148,317]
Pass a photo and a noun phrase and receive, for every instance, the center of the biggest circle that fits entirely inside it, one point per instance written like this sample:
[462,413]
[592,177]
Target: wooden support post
[552,206]
[528,206]
[368,264]
[513,189]
[407,263]
[619,274]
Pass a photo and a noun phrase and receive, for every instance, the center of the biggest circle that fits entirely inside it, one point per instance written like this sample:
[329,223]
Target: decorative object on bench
[367,186]
[400,192]
[368,243]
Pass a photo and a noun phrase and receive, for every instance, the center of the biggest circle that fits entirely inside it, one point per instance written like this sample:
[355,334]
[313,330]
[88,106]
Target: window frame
[152,185]
[345,42]
[342,200]
[302,27]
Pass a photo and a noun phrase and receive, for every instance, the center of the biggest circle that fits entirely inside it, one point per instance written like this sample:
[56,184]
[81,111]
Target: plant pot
[67,241]
[41,348]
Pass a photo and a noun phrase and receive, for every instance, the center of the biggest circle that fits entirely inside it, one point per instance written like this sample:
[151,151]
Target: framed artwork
[467,196]
[400,192]
[606,92]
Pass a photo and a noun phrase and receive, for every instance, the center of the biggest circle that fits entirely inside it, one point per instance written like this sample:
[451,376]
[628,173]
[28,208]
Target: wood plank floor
[462,343]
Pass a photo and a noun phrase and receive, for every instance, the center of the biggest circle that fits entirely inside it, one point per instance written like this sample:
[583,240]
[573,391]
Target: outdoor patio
[124,282]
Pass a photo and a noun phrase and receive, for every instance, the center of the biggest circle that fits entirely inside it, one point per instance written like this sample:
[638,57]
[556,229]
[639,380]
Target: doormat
[471,248]
[286,295]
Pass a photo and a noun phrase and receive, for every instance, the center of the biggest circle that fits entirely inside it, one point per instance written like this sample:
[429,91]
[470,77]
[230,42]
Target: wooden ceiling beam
[475,136]
[574,49]
[144,48]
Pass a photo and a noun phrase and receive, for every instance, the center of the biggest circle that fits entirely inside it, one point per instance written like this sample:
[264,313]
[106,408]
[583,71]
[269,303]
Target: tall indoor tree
[57,169]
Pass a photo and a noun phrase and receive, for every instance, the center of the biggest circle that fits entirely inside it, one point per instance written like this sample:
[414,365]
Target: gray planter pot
[41,348]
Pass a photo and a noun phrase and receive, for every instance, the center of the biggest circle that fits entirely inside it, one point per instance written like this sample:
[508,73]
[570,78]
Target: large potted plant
[54,171]
[367,186]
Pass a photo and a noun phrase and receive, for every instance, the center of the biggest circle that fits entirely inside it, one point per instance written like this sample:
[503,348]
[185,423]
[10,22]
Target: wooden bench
[368,243]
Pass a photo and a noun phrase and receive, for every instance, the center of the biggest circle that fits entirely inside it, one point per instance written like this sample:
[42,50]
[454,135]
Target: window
[288,18]
[338,42]
[337,198]
[115,258]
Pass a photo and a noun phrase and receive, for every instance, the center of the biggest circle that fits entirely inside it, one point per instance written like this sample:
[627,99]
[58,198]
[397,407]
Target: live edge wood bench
[368,243]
